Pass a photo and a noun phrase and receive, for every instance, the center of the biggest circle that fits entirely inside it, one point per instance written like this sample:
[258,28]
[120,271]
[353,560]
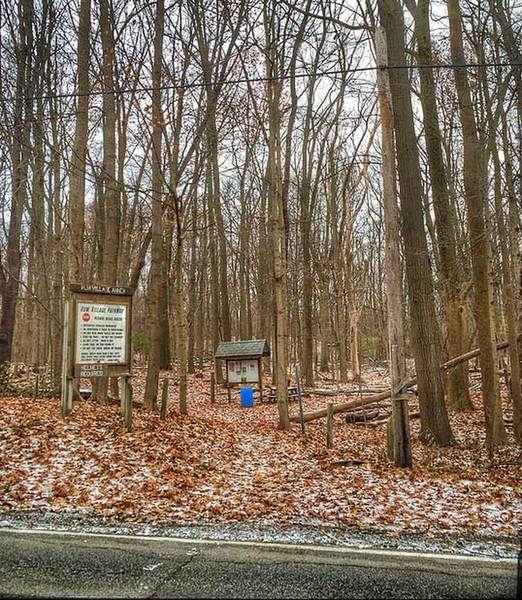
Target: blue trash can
[246,395]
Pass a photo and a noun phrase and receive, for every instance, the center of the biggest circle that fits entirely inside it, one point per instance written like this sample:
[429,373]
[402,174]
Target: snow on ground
[223,463]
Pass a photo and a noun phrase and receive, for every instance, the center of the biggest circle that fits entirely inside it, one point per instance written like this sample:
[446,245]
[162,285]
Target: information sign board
[243,371]
[100,335]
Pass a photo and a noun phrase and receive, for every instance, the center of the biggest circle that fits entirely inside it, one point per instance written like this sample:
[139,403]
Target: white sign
[243,371]
[101,333]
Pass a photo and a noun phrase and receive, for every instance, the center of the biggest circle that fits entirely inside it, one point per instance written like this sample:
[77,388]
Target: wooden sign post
[97,340]
[67,391]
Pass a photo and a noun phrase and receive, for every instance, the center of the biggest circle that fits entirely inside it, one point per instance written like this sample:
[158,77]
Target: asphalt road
[39,564]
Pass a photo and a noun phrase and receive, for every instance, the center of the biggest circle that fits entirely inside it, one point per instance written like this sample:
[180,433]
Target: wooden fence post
[127,394]
[122,398]
[212,387]
[401,431]
[299,396]
[329,425]
[164,398]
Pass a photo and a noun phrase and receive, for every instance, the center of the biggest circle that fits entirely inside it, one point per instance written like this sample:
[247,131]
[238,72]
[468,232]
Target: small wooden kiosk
[243,362]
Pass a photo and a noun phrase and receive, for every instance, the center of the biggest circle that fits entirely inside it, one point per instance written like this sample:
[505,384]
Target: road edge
[495,566]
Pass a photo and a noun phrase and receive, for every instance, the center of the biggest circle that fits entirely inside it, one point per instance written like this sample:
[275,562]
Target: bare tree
[20,155]
[157,258]
[458,392]
[424,329]
[479,239]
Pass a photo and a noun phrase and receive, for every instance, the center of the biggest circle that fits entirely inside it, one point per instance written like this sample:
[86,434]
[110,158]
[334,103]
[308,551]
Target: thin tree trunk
[181,319]
[508,291]
[515,275]
[157,255]
[398,447]
[20,152]
[192,325]
[110,185]
[57,253]
[79,152]
[278,229]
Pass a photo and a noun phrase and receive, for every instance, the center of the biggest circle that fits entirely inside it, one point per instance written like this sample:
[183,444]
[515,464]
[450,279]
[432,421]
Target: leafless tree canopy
[255,170]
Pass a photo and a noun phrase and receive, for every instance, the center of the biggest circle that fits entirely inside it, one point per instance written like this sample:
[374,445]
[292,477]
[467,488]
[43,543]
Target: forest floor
[223,463]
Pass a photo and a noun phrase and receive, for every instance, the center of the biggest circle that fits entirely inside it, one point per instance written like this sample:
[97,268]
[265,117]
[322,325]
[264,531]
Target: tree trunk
[181,319]
[435,427]
[513,251]
[193,305]
[57,253]
[479,240]
[398,428]
[217,214]
[109,192]
[78,156]
[458,388]
[157,255]
[110,185]
[20,153]
[278,229]
[354,345]
[508,293]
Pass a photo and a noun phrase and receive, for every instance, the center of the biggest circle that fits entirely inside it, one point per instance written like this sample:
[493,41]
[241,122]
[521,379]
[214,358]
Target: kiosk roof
[242,349]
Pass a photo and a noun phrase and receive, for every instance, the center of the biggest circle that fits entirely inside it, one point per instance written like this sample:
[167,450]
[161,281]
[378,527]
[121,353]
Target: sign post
[66,392]
[126,395]
[97,340]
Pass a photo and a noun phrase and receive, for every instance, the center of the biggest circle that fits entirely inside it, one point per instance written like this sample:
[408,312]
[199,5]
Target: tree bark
[398,427]
[479,239]
[20,154]
[278,229]
[181,319]
[458,392]
[435,427]
[110,185]
[157,255]
[79,151]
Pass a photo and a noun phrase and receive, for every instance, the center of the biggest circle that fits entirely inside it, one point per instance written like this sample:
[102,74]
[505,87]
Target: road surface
[51,564]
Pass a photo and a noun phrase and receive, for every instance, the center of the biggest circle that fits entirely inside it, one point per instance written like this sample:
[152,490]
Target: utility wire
[203,84]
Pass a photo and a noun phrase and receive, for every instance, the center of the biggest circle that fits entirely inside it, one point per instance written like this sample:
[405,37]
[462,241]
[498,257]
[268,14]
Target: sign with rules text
[97,341]
[100,336]
[100,333]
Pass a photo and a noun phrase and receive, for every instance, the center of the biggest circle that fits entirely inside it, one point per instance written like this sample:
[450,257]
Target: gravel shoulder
[259,531]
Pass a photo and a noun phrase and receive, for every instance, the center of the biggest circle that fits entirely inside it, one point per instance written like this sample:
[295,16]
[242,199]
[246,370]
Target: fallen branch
[318,414]
[362,416]
[413,415]
[453,362]
[343,391]
[368,407]
[346,406]
[323,392]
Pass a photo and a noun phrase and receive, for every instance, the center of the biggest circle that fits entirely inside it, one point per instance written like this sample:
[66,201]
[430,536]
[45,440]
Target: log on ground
[346,406]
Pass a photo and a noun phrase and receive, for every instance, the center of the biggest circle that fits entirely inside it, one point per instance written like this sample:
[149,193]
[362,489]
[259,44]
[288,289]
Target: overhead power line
[203,84]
